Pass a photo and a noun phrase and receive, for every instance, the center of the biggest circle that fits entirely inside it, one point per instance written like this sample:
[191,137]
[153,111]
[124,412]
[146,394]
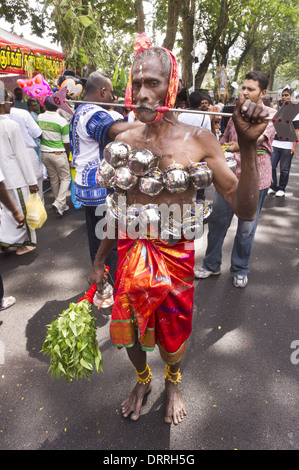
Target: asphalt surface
[240,379]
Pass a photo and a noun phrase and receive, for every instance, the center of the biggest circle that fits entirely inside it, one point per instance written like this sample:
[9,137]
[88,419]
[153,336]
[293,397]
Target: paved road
[239,382]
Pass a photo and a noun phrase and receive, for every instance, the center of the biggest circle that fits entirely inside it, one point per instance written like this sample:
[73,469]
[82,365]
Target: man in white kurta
[30,131]
[20,180]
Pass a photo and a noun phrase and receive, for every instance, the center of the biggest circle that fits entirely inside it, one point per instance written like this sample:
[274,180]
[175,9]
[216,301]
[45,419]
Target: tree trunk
[223,48]
[187,47]
[174,8]
[242,58]
[140,16]
[203,68]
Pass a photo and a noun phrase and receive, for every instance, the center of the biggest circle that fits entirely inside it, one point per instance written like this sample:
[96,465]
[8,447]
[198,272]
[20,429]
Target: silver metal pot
[230,160]
[176,178]
[141,161]
[193,222]
[200,174]
[117,153]
[124,178]
[152,183]
[171,231]
[101,182]
[149,220]
[106,173]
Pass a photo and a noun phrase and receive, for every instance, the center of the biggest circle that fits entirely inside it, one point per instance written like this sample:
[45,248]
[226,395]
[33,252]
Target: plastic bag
[36,214]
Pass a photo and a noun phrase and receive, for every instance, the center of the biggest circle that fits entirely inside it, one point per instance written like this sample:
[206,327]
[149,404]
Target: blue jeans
[284,157]
[220,222]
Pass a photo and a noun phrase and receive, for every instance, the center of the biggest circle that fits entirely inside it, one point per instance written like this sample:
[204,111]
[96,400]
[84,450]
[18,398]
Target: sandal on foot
[7,302]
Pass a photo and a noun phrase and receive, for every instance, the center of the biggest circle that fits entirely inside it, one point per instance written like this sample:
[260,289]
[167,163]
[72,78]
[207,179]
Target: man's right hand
[19,217]
[33,189]
[96,276]
[249,120]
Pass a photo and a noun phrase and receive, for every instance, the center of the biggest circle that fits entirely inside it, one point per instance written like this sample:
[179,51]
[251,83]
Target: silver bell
[176,178]
[152,183]
[124,179]
[200,174]
[116,153]
[141,161]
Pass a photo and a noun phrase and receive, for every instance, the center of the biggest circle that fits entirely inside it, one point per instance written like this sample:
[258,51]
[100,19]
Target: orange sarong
[153,296]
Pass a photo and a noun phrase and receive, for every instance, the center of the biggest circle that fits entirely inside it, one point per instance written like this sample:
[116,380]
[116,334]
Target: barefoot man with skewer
[154,281]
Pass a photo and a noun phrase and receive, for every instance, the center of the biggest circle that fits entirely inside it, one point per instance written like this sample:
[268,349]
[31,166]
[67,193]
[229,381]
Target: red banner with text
[20,59]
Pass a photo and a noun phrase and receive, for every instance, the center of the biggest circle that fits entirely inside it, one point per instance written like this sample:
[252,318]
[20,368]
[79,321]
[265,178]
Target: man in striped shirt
[55,150]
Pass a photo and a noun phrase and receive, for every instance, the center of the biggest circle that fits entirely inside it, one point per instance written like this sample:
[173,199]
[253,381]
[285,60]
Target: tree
[174,8]
[215,16]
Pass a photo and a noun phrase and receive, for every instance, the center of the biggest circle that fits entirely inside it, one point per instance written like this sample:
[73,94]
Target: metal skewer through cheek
[161,109]
[282,119]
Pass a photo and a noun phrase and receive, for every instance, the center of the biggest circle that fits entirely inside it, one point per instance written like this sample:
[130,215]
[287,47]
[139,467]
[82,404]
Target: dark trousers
[1,289]
[284,158]
[94,241]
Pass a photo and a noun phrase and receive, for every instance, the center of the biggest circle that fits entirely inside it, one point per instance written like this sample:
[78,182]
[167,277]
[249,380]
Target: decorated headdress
[143,43]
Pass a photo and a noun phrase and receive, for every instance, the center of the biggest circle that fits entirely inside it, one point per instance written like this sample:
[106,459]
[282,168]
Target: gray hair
[155,51]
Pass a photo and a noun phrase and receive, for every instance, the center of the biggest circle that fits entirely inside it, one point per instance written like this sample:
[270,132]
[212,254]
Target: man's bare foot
[22,250]
[133,403]
[175,408]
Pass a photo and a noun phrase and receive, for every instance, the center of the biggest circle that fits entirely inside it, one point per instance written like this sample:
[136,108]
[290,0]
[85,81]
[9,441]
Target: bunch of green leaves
[71,343]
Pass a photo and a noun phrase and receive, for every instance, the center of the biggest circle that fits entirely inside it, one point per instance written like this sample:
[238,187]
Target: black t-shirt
[226,109]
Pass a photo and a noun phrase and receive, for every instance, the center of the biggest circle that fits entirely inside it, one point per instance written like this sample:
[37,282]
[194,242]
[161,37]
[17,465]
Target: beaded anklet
[147,378]
[169,374]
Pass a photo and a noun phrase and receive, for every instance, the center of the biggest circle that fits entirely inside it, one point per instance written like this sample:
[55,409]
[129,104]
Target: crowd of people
[271,152]
[153,280]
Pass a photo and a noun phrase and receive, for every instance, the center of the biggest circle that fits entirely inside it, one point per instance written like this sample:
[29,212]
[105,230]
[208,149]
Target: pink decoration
[58,98]
[142,43]
[36,87]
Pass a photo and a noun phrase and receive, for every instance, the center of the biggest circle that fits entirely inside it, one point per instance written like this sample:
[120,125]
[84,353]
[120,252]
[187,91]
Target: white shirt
[14,160]
[195,119]
[1,176]
[131,116]
[88,153]
[30,129]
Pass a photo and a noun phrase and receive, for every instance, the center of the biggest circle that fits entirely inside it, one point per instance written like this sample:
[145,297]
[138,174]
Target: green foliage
[98,34]
[71,343]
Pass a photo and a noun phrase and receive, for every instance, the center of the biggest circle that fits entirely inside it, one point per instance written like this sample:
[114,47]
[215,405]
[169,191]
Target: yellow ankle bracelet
[147,378]
[169,374]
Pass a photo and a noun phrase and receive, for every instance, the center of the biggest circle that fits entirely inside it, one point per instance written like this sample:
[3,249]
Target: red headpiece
[143,43]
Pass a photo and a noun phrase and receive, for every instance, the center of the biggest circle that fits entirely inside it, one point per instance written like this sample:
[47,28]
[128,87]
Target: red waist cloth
[153,296]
